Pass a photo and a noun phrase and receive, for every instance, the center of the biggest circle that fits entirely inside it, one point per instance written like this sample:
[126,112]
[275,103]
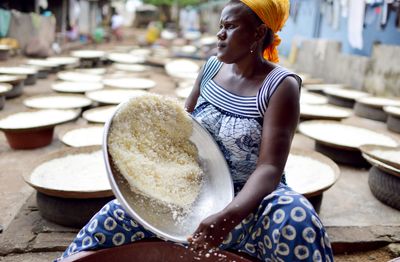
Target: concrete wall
[379,75]
[324,59]
[383,77]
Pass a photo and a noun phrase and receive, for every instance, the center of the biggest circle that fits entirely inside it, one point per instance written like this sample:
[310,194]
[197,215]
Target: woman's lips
[221,45]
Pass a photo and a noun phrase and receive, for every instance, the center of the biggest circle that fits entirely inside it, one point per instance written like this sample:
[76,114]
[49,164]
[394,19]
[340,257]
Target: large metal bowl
[216,192]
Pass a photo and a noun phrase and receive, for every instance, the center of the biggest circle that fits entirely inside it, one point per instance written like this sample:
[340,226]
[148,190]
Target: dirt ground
[378,255]
[22,191]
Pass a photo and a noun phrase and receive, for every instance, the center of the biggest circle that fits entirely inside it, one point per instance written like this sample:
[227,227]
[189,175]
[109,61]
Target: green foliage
[170,2]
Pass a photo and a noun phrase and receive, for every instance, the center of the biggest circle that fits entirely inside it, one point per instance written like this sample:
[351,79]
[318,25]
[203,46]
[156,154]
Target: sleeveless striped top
[235,121]
[248,106]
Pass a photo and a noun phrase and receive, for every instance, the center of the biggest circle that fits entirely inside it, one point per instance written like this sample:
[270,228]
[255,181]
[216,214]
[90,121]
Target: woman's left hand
[211,232]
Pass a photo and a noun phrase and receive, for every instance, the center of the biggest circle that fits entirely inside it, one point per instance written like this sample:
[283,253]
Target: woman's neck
[249,67]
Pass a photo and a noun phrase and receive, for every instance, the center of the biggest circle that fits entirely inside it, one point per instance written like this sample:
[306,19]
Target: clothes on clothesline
[5,18]
[34,33]
[355,23]
[333,10]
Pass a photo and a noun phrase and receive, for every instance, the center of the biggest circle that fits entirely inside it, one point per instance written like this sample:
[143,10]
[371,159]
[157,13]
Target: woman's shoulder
[213,60]
[212,66]
[278,74]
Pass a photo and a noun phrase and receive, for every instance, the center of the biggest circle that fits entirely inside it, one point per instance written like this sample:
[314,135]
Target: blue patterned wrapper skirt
[285,227]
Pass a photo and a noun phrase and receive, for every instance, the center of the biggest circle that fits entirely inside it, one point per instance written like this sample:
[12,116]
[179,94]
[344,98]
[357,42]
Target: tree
[165,6]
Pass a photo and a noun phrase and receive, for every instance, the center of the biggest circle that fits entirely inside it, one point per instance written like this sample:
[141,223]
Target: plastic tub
[153,251]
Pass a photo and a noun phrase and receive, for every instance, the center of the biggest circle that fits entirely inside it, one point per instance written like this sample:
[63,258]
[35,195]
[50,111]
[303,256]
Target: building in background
[356,24]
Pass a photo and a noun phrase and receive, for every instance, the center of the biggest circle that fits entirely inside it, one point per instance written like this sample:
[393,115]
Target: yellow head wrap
[274,14]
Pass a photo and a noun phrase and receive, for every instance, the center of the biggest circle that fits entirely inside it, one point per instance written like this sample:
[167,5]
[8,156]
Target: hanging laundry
[329,12]
[385,12]
[371,15]
[344,7]
[355,23]
[43,4]
[35,20]
[294,9]
[21,28]
[374,3]
[5,18]
[336,14]
[397,7]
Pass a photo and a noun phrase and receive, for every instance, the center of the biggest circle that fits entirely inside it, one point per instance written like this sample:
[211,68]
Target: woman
[251,107]
[117,22]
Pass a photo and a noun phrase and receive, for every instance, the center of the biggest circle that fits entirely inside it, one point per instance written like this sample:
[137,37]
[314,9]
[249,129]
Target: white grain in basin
[140,52]
[21,70]
[183,92]
[10,78]
[182,68]
[390,155]
[88,54]
[76,87]
[42,63]
[4,88]
[208,40]
[57,101]
[161,52]
[188,49]
[91,71]
[324,111]
[392,110]
[305,174]
[321,87]
[186,83]
[63,60]
[87,136]
[76,172]
[99,114]
[345,93]
[313,99]
[130,67]
[378,101]
[78,77]
[149,141]
[125,58]
[5,47]
[33,119]
[129,83]
[344,135]
[113,96]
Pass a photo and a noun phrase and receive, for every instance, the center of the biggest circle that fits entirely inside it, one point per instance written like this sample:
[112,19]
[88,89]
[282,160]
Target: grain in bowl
[149,144]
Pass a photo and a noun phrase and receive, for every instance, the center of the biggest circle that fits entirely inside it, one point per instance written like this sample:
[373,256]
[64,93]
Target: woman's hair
[269,35]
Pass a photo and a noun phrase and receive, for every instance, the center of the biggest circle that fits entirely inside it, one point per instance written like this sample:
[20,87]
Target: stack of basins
[80,187]
[352,140]
[384,175]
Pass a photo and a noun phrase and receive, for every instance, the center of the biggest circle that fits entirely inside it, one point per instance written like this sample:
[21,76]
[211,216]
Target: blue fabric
[5,19]
[285,226]
[238,138]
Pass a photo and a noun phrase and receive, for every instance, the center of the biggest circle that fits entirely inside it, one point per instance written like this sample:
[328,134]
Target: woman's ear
[261,31]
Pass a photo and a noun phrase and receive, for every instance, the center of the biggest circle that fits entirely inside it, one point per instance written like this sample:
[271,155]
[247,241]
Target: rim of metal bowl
[122,199]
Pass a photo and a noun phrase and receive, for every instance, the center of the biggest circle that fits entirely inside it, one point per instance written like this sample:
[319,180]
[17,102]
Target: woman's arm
[191,100]
[280,121]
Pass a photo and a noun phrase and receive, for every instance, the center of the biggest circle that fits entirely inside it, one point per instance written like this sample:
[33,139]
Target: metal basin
[216,192]
[154,251]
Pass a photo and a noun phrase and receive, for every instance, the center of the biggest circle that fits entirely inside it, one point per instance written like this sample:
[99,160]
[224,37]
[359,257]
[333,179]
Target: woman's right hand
[211,232]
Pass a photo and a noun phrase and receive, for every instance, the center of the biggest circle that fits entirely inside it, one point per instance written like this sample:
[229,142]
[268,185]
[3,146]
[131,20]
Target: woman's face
[236,34]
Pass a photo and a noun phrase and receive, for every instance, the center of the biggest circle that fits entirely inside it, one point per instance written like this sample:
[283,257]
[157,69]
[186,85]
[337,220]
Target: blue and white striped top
[235,121]
[248,106]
